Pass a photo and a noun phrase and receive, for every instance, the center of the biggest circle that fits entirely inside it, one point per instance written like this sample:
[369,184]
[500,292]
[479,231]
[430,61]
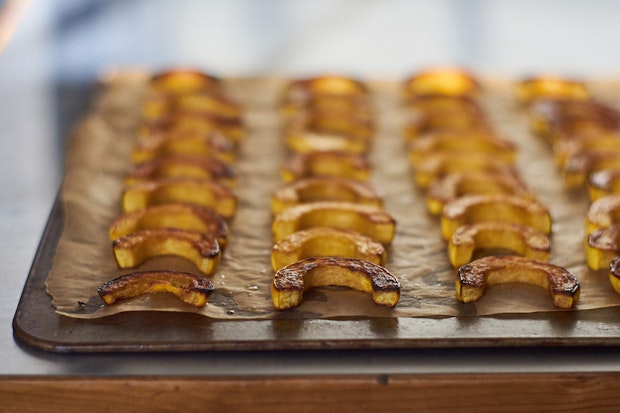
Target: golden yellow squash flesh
[602,246]
[475,277]
[290,282]
[455,142]
[180,216]
[315,189]
[368,220]
[132,250]
[494,235]
[603,213]
[437,165]
[505,208]
[203,192]
[326,163]
[550,87]
[190,288]
[457,184]
[189,143]
[442,81]
[187,166]
[326,242]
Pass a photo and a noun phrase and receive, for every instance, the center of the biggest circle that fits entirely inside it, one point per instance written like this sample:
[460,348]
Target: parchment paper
[98,159]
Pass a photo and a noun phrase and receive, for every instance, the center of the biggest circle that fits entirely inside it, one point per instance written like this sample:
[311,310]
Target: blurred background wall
[369,37]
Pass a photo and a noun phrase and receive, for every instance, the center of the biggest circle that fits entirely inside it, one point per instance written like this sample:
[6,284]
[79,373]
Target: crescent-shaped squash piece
[290,282]
[315,189]
[368,220]
[474,277]
[203,250]
[505,208]
[181,216]
[494,235]
[190,288]
[326,242]
[206,193]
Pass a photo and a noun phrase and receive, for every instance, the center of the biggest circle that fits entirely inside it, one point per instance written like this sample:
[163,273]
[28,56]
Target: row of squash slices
[179,194]
[584,134]
[329,225]
[496,230]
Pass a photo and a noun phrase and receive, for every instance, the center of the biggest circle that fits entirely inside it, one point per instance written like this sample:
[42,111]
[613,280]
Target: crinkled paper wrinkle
[99,157]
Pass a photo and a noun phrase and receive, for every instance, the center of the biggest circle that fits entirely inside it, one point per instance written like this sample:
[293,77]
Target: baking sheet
[417,255]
